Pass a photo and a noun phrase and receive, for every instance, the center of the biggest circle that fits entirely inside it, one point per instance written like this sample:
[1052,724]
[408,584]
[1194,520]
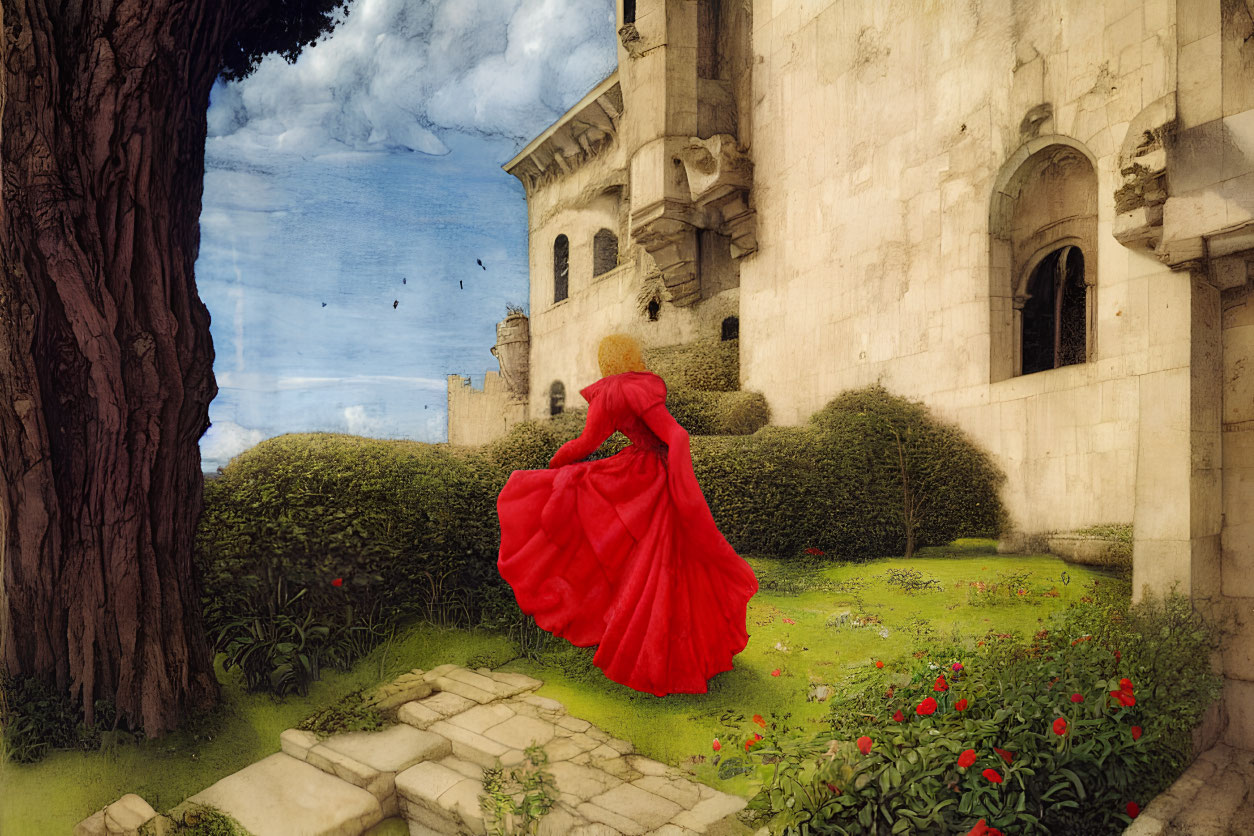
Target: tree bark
[106,363]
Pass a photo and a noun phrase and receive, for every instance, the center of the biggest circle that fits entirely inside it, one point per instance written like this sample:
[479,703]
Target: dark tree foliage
[281,27]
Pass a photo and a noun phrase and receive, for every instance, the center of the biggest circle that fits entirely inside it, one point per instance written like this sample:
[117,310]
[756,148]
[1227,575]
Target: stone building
[1037,216]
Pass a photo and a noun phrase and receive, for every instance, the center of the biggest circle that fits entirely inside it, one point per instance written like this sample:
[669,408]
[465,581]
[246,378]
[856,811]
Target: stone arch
[1044,201]
[561,268]
[604,252]
[557,397]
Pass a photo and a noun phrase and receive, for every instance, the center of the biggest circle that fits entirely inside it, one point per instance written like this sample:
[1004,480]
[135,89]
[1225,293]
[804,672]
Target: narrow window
[1054,312]
[604,252]
[629,11]
[561,268]
[653,309]
[557,398]
[731,328]
[707,39]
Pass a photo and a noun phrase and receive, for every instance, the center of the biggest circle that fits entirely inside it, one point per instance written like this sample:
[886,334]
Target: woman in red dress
[622,552]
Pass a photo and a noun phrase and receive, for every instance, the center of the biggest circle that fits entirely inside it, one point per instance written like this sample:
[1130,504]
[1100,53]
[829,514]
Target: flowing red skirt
[598,553]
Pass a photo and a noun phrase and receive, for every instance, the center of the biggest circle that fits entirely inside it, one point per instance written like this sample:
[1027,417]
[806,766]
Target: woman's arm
[685,490]
[595,430]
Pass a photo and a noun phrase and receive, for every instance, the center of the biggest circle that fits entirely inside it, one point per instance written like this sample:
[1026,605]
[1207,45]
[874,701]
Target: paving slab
[282,796]
[463,689]
[480,718]
[519,732]
[446,704]
[393,749]
[417,715]
[639,805]
[470,746]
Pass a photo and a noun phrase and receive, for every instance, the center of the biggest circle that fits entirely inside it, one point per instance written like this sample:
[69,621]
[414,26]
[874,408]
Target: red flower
[957,666]
[757,718]
[789,621]
[961,705]
[1006,756]
[879,664]
[775,672]
[864,745]
[1118,655]
[992,775]
[967,758]
[717,745]
[1136,732]
[1133,809]
[1081,639]
[1077,698]
[832,787]
[1124,698]
[982,829]
[1060,726]
[337,582]
[751,741]
[927,707]
[1125,684]
[899,717]
[813,550]
[941,685]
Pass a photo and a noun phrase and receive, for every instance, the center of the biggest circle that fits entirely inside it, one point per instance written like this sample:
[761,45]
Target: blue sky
[376,158]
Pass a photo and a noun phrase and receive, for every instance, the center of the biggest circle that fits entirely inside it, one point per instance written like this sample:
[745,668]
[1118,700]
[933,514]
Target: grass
[50,797]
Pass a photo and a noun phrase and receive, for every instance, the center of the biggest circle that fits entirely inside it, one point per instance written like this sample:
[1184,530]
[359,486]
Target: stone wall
[881,141]
[478,416]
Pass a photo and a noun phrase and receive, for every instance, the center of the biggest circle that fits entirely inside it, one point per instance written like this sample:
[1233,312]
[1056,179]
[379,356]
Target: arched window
[629,11]
[731,328]
[1043,259]
[604,252]
[1054,312]
[557,398]
[561,268]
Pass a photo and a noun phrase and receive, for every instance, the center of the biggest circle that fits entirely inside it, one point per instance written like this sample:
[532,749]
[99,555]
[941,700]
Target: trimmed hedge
[704,365]
[718,413]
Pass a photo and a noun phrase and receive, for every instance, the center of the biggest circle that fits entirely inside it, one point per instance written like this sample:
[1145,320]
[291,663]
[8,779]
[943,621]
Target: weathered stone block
[582,781]
[682,792]
[462,689]
[470,746]
[417,715]
[482,717]
[637,804]
[446,704]
[519,732]
[297,742]
[281,795]
[351,770]
[709,811]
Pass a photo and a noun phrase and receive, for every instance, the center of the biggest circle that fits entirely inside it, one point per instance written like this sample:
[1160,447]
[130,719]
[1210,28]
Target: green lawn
[51,796]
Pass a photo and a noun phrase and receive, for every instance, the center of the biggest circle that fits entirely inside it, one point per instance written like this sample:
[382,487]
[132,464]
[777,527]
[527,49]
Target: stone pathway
[429,770]
[1214,797]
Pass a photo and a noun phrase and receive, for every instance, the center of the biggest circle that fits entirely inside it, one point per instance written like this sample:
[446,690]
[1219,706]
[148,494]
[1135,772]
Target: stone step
[1214,796]
[284,796]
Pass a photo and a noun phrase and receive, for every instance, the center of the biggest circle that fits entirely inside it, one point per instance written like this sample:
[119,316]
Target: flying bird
[395,302]
[402,280]
[324,304]
[459,284]
[479,261]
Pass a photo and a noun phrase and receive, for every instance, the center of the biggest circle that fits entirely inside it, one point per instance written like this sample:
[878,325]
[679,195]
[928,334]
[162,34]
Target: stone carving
[667,234]
[720,175]
[1143,166]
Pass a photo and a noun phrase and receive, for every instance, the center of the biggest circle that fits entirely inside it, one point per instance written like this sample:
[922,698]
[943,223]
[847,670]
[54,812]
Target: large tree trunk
[106,364]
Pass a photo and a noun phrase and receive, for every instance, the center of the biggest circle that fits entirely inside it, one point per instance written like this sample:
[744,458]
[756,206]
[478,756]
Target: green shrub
[349,713]
[704,365]
[1042,761]
[406,529]
[36,718]
[189,819]
[515,803]
[718,413]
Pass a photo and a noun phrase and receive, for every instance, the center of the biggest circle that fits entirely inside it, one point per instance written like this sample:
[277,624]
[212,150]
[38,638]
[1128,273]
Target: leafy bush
[1068,731]
[718,413]
[194,820]
[516,803]
[36,718]
[311,545]
[703,365]
[352,712]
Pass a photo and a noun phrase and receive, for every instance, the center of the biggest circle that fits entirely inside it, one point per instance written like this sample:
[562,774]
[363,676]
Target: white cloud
[262,382]
[226,439]
[395,72]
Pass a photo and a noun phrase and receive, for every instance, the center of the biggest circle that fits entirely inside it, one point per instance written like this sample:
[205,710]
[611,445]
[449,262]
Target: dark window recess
[654,308]
[557,398]
[604,252]
[1055,313]
[731,328]
[561,268]
[629,11]
[707,39]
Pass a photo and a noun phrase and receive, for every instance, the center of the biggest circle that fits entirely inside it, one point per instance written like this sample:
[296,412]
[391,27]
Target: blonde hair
[620,353]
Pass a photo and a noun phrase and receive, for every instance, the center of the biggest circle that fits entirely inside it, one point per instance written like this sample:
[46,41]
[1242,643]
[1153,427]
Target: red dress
[623,553]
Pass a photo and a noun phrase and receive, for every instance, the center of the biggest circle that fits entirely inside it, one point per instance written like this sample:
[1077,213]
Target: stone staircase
[428,769]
